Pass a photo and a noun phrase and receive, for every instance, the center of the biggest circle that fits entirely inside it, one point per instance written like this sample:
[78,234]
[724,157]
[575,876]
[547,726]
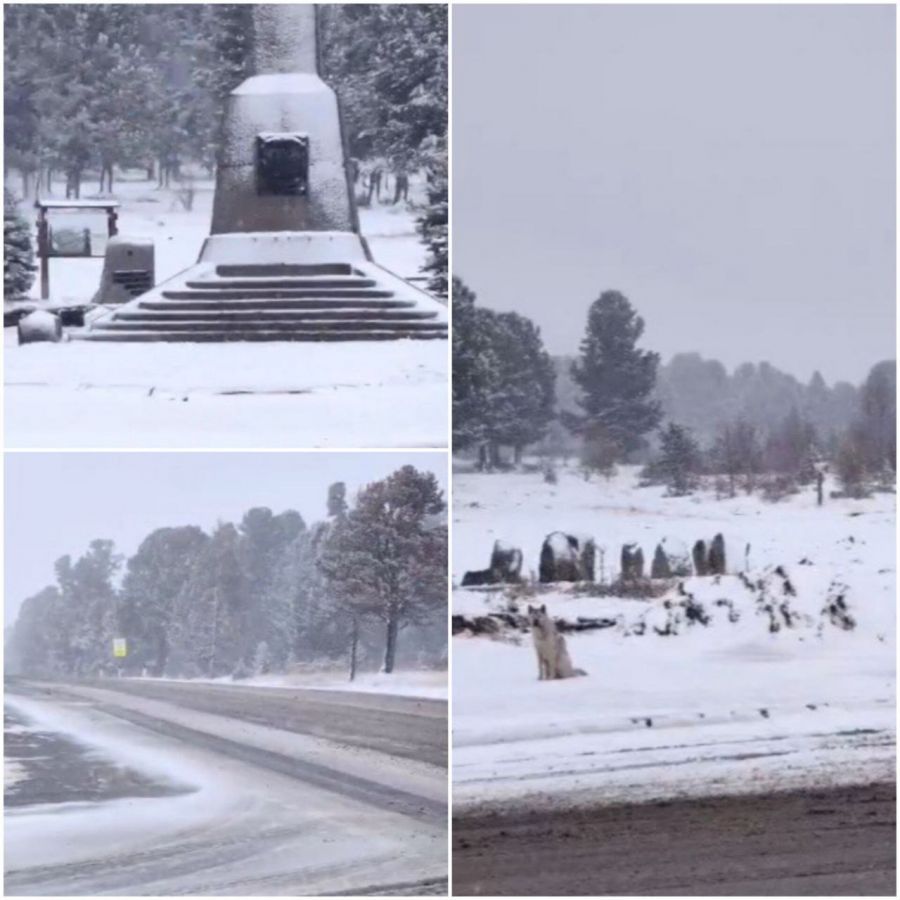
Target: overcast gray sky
[56,503]
[729,168]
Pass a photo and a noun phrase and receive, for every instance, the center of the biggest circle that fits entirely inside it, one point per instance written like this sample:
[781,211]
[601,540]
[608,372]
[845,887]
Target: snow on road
[373,394]
[719,708]
[242,830]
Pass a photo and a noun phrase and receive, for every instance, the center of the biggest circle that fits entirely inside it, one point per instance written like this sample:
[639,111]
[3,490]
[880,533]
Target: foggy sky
[56,503]
[729,168]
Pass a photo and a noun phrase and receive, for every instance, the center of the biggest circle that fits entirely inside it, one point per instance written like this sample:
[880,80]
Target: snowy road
[828,842]
[286,792]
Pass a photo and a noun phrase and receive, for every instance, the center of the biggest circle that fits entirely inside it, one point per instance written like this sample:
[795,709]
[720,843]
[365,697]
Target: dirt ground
[827,842]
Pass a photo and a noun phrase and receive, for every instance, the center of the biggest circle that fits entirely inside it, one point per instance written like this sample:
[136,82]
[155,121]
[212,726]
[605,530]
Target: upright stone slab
[282,165]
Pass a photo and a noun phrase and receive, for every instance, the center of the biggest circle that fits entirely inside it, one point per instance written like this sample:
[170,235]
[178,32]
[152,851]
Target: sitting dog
[550,646]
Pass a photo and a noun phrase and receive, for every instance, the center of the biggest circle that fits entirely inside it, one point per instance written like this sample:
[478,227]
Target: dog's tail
[577,672]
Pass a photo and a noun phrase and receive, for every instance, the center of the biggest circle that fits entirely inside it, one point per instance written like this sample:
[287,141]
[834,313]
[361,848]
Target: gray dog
[550,646]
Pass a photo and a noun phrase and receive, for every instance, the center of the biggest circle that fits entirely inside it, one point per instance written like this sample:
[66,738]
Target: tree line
[258,596]
[614,402]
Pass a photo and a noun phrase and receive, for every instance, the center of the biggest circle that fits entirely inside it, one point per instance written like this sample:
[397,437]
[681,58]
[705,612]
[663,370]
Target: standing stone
[660,567]
[701,565]
[506,563]
[717,555]
[565,557]
[632,562]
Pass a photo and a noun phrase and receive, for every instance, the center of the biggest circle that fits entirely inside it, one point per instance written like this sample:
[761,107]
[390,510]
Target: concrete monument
[284,259]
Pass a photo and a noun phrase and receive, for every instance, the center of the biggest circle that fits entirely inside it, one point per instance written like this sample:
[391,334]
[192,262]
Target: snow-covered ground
[79,394]
[432,685]
[729,706]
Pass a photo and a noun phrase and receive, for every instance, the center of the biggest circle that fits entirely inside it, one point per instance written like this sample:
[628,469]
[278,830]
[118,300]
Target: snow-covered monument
[285,259]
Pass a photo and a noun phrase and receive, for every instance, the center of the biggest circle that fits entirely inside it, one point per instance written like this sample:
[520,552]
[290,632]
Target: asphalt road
[408,727]
[830,842]
[298,823]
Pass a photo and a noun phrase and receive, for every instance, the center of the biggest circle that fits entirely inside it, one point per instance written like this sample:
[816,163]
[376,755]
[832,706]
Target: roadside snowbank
[428,684]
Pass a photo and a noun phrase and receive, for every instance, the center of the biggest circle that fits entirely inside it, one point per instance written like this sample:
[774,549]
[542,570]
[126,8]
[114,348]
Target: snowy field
[729,706]
[77,394]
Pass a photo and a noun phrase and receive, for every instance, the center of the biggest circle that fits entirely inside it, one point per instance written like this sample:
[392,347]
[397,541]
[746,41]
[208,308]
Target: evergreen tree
[388,64]
[521,400]
[18,254]
[878,419]
[31,643]
[433,224]
[473,368]
[387,558]
[616,378]
[154,578]
[206,636]
[88,601]
[264,538]
[503,378]
[679,460]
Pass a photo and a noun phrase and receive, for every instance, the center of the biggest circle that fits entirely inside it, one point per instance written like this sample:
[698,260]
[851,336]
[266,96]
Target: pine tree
[473,367]
[264,537]
[522,397]
[679,460]
[878,420]
[154,578]
[206,638]
[387,560]
[433,222]
[616,378]
[18,254]
[503,378]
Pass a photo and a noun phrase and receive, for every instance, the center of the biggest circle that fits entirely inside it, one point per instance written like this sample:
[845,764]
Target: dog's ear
[543,607]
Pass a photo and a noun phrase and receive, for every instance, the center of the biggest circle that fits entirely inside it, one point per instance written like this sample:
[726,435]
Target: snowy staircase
[332,301]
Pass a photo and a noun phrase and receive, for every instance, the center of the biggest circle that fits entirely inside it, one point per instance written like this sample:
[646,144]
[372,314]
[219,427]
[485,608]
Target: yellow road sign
[120,647]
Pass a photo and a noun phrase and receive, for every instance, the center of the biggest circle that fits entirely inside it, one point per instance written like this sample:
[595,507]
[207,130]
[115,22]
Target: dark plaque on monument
[282,164]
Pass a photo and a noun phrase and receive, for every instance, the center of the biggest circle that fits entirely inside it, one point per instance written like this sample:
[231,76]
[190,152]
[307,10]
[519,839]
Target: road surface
[807,843]
[280,792]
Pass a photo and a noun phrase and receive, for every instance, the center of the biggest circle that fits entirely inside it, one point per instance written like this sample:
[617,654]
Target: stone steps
[282,270]
[260,301]
[220,336]
[262,304]
[177,314]
[324,326]
[276,294]
[327,284]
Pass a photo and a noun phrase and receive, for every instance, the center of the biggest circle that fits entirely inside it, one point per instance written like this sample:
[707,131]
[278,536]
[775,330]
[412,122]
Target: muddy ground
[828,842]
